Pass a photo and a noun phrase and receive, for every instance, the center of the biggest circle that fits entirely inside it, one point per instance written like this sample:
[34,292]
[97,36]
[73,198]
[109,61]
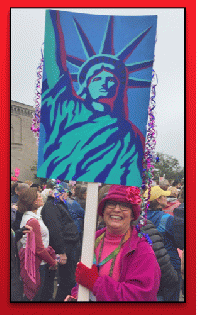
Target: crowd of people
[132,262]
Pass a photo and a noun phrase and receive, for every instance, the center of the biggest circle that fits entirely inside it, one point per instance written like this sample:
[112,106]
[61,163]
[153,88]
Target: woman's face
[103,85]
[39,201]
[117,217]
[162,201]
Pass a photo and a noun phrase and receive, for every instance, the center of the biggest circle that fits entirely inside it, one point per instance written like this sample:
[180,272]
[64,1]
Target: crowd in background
[44,263]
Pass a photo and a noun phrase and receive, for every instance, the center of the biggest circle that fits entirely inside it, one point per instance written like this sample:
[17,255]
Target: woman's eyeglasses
[111,205]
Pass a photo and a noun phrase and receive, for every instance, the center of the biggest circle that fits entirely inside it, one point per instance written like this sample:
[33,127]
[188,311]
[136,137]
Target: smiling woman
[125,267]
[117,217]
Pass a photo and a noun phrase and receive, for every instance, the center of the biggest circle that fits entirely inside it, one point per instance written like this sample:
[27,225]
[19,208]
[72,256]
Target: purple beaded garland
[149,155]
[36,115]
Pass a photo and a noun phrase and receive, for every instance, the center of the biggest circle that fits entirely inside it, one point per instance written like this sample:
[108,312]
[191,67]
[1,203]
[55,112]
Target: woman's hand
[70,298]
[86,276]
[28,229]
[55,266]
[63,259]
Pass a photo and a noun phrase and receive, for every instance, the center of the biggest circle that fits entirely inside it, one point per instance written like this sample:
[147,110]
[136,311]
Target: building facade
[24,146]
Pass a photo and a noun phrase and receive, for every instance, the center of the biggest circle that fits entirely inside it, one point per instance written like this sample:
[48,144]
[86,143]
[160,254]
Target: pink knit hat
[125,194]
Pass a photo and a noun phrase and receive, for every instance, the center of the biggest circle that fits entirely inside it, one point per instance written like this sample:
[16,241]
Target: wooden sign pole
[89,234]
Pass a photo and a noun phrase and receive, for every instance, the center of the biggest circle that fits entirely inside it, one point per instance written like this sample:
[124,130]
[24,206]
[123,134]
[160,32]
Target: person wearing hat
[125,267]
[64,238]
[169,276]
[164,222]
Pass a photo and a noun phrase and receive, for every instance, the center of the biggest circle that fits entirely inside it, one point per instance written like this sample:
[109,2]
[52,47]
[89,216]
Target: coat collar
[132,242]
[32,215]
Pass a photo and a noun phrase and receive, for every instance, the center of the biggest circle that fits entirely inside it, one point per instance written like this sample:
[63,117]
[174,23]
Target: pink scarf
[30,256]
[30,263]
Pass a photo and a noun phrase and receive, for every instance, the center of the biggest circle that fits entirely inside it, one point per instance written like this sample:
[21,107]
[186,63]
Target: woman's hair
[175,183]
[153,204]
[135,208]
[77,190]
[103,192]
[21,187]
[36,186]
[26,200]
[13,186]
[83,190]
[50,185]
[29,182]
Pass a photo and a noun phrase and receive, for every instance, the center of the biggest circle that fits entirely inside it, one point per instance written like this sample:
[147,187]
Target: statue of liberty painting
[85,131]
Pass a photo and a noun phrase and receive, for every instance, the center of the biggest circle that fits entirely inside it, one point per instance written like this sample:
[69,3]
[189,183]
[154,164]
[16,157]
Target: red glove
[86,276]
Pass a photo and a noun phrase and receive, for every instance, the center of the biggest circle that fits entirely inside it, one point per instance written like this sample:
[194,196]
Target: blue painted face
[103,85]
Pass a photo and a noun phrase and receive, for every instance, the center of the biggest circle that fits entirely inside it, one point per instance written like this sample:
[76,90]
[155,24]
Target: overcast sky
[27,37]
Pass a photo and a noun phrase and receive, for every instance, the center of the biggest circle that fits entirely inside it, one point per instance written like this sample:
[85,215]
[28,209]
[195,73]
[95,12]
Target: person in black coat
[16,291]
[178,225]
[64,239]
[169,278]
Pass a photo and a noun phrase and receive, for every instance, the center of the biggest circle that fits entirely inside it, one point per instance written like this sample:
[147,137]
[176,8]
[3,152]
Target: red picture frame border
[190,174]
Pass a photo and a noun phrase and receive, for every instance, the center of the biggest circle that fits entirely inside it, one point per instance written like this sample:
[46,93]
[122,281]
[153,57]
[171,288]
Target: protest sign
[95,96]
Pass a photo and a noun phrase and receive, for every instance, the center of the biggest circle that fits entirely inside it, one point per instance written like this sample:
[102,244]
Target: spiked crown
[107,56]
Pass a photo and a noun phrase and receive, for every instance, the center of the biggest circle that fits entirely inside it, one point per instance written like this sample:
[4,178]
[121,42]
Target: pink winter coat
[139,274]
